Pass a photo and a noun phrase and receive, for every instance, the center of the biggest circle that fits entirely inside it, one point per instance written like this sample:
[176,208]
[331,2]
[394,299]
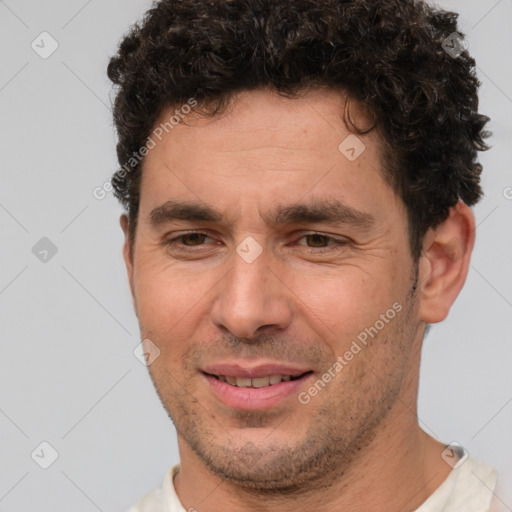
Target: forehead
[265,148]
[257,116]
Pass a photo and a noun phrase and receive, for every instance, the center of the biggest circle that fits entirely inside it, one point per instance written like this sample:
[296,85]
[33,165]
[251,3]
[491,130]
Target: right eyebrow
[174,210]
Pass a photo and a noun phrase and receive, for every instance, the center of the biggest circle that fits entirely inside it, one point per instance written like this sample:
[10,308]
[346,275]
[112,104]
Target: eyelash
[337,243]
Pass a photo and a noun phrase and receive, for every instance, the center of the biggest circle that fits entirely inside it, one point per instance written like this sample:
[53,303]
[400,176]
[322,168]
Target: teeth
[243,382]
[275,379]
[257,382]
[260,382]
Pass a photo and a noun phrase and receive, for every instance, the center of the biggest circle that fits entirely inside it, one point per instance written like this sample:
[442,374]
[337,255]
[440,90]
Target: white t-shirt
[469,487]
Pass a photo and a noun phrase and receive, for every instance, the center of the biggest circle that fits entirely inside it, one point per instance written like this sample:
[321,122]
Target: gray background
[68,375]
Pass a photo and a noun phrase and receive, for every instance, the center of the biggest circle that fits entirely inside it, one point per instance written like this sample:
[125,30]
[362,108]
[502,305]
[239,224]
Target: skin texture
[304,299]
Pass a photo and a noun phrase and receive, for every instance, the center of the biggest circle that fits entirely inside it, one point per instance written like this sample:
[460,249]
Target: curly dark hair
[387,54]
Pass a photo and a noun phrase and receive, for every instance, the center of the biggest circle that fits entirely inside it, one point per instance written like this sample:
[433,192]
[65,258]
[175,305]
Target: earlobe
[444,263]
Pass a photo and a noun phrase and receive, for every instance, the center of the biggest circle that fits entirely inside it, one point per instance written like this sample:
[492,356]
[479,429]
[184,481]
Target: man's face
[327,259]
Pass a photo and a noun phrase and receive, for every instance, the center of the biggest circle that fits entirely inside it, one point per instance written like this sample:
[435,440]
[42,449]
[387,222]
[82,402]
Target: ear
[444,263]
[128,254]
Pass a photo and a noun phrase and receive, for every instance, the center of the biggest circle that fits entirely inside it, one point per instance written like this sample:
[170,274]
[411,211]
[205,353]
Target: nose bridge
[249,297]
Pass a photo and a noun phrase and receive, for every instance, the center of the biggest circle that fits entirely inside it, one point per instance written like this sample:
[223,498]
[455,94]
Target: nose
[251,297]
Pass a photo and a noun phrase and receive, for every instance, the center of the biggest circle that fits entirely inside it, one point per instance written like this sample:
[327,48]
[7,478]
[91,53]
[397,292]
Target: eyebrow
[326,211]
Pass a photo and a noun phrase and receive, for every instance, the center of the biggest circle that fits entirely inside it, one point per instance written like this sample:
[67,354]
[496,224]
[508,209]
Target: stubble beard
[335,435]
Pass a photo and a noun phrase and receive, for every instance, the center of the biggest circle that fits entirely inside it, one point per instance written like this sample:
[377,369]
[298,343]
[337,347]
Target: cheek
[344,302]
[169,301]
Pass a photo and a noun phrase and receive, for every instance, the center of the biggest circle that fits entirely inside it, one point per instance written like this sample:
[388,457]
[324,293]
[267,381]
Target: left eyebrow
[327,211]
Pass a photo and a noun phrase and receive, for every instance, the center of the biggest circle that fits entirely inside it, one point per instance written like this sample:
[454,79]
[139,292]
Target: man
[297,178]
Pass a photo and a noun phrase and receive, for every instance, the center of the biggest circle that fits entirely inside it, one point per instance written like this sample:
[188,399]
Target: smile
[257,382]
[256,392]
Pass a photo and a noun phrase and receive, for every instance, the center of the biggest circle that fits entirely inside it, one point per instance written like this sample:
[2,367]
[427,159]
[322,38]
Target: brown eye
[193,238]
[316,240]
[191,242]
[319,243]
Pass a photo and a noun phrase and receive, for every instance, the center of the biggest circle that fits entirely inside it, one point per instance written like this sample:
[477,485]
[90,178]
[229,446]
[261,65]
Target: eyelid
[337,240]
[175,237]
[179,234]
[303,234]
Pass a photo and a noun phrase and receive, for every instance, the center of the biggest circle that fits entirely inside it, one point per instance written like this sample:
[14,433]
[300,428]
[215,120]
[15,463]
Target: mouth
[257,382]
[259,388]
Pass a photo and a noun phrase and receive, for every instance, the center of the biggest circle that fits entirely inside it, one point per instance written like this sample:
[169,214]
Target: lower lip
[250,399]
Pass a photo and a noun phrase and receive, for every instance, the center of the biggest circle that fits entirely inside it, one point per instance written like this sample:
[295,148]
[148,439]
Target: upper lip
[240,369]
